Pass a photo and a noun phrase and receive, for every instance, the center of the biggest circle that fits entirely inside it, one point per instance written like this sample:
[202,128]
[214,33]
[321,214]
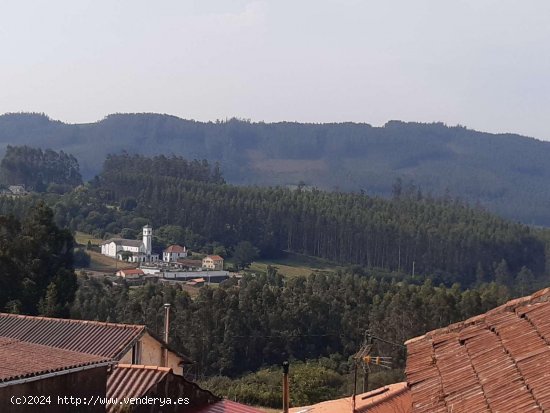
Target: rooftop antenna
[366,359]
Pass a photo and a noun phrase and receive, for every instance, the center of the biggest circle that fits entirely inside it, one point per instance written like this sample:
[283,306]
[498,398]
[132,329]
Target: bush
[81,259]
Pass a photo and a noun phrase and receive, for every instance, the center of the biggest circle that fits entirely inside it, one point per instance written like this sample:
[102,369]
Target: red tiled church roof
[495,362]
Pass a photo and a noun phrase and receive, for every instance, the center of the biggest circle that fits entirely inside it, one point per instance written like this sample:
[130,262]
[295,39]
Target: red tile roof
[215,257]
[91,337]
[175,249]
[225,406]
[388,399]
[496,362]
[131,271]
[21,360]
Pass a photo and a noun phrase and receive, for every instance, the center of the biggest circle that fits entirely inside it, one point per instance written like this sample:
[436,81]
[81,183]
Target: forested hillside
[268,319]
[506,173]
[39,170]
[410,233]
[36,264]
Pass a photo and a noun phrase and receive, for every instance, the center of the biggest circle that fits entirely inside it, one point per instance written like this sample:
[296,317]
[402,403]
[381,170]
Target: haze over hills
[505,173]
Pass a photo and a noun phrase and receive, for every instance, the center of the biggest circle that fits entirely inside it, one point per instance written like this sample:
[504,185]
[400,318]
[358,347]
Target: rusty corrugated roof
[130,380]
[225,406]
[136,381]
[496,362]
[92,337]
[388,399]
[21,360]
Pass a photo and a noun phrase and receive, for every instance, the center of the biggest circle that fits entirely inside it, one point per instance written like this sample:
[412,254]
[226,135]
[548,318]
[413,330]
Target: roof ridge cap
[72,320]
[144,367]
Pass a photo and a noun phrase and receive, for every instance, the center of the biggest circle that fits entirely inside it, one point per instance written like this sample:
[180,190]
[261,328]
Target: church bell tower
[147,239]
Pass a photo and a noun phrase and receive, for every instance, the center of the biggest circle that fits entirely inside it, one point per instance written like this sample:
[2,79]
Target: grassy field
[83,238]
[101,263]
[296,265]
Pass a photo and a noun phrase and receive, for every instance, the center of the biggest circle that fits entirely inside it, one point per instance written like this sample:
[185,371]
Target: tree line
[39,170]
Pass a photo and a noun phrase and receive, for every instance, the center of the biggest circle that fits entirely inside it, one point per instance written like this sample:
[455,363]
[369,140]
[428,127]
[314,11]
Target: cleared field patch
[82,238]
[296,265]
[101,263]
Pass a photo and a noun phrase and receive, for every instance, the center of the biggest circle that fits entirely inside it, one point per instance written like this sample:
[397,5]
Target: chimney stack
[286,392]
[166,332]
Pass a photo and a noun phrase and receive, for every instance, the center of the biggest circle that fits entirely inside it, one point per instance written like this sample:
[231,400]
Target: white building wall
[173,256]
[130,249]
[109,249]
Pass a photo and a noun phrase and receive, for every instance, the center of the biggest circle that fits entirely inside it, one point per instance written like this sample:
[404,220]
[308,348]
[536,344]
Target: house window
[136,353]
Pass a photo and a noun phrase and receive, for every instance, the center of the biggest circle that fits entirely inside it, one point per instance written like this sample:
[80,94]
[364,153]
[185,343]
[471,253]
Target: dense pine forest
[189,203]
[36,265]
[507,174]
[39,170]
[437,236]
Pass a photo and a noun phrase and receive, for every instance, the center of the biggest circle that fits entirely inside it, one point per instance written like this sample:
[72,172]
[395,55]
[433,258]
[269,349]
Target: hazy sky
[484,64]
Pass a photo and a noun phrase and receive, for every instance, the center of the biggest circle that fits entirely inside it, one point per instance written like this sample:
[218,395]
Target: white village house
[139,251]
[173,253]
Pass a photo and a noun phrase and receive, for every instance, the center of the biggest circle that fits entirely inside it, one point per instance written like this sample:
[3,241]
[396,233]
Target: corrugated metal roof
[225,406]
[388,399]
[496,362]
[92,337]
[20,360]
[128,381]
[136,381]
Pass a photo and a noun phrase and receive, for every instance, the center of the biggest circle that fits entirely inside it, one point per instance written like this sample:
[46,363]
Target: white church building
[131,250]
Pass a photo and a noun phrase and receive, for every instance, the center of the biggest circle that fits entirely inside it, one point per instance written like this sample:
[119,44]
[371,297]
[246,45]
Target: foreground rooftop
[394,398]
[495,362]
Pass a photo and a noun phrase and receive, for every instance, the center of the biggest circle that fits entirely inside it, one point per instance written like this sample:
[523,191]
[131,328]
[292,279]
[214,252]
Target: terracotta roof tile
[92,337]
[215,257]
[175,249]
[496,362]
[388,399]
[21,360]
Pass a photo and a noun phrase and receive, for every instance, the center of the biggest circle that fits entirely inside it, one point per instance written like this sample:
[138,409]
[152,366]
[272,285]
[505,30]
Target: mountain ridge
[506,173]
